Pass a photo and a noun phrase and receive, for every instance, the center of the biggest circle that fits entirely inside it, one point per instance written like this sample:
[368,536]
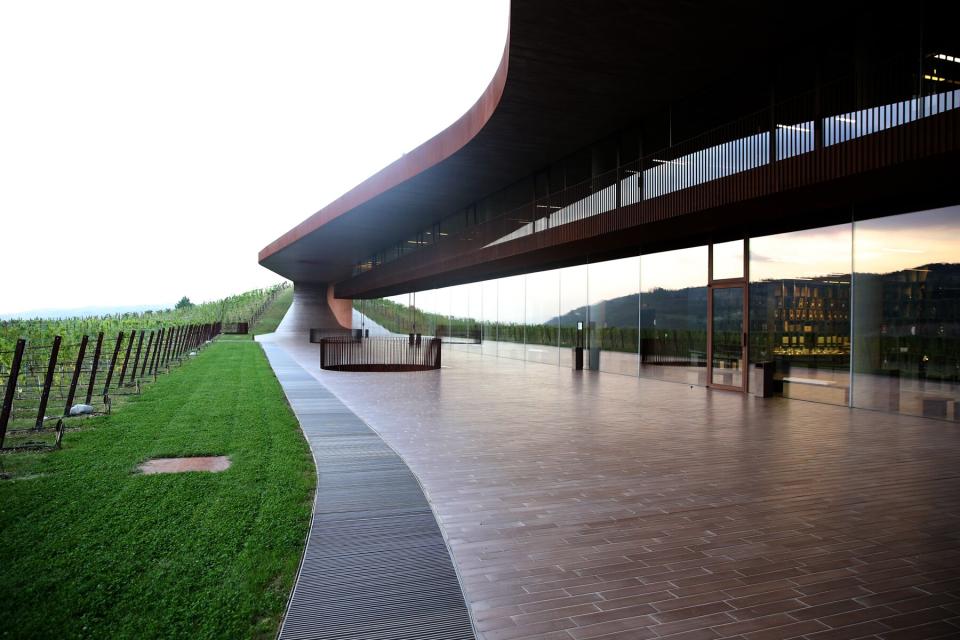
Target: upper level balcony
[897,121]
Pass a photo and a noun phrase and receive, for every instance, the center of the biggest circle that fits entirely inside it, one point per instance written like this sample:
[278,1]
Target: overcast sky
[150,150]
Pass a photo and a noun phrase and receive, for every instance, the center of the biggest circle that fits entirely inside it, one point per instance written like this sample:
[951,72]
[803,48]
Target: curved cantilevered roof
[571,73]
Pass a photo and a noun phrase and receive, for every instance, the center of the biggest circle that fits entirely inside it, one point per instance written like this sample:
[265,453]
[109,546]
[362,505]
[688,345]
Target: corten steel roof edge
[427,155]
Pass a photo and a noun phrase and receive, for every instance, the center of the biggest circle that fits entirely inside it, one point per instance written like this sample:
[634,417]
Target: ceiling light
[846,119]
[943,56]
[793,127]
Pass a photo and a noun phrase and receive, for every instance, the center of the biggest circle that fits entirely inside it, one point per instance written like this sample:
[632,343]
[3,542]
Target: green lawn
[89,547]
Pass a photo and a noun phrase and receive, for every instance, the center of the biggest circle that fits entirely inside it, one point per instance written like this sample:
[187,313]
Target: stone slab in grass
[181,465]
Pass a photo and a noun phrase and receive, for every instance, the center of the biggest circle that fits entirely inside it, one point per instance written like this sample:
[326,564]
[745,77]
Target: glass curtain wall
[613,318]
[673,315]
[907,313]
[511,314]
[800,312]
[432,308]
[488,294]
[573,310]
[895,281]
[542,312]
[463,330]
[386,316]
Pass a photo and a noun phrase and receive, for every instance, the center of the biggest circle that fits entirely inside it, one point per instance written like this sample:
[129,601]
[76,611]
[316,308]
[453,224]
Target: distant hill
[82,312]
[684,308]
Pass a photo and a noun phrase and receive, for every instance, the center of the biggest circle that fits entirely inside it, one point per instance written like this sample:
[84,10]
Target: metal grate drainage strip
[376,566]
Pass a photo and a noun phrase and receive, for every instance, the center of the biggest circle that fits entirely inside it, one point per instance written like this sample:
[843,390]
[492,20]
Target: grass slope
[91,548]
[271,318]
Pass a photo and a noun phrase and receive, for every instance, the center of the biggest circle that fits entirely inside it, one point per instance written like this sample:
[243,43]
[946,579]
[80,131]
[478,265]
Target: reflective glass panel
[511,298]
[393,314]
[613,317]
[907,313]
[541,328]
[432,310]
[489,303]
[573,307]
[728,260]
[800,313]
[727,333]
[673,315]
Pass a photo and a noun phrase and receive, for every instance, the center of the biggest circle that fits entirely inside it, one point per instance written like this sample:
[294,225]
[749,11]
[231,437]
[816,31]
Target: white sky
[150,150]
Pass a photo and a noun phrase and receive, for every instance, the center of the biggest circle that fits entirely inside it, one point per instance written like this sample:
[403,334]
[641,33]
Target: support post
[156,354]
[76,375]
[48,381]
[11,388]
[96,365]
[164,357]
[113,363]
[146,356]
[136,359]
[126,358]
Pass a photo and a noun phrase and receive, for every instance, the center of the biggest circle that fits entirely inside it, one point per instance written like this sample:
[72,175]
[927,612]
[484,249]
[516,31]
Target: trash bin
[577,353]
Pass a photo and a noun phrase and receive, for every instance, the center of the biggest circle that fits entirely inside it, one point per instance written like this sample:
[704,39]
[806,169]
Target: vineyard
[52,368]
[230,310]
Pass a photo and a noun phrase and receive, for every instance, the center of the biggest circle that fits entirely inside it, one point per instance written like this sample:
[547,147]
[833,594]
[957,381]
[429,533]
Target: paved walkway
[376,565]
[585,505]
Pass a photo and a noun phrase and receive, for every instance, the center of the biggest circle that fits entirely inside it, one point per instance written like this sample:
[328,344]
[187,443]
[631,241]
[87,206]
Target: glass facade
[511,312]
[542,313]
[613,318]
[906,310]
[800,311]
[673,315]
[865,314]
[573,308]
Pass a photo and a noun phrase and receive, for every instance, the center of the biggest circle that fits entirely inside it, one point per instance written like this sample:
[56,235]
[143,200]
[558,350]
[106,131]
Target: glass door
[727,316]
[728,338]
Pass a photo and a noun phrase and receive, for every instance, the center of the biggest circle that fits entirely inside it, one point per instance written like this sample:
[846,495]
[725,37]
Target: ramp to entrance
[375,564]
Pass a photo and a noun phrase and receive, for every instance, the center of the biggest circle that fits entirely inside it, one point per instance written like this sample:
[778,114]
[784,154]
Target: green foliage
[40,331]
[95,549]
[184,303]
[399,318]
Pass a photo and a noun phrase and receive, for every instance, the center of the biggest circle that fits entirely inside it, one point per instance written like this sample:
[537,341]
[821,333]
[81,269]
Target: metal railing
[413,353]
[792,143]
[316,335]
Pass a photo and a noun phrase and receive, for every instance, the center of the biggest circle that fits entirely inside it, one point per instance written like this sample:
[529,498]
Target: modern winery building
[755,197]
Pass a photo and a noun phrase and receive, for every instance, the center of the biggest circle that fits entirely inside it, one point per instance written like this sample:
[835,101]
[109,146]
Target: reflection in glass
[907,313]
[454,332]
[573,307]
[726,332]
[541,327]
[462,331]
[800,312]
[489,306]
[673,315]
[728,260]
[511,297]
[391,315]
[613,318]
[432,308]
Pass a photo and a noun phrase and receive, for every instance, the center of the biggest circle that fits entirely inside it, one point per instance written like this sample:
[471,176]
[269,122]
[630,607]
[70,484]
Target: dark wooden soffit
[578,71]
